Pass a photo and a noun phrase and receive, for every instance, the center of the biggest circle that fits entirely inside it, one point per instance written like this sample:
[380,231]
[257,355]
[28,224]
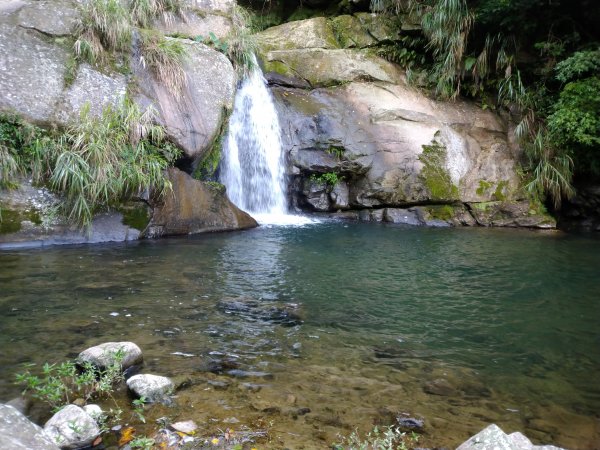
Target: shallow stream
[461,327]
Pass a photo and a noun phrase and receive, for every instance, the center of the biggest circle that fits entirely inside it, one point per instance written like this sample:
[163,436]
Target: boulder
[32,71]
[195,207]
[94,411]
[401,216]
[493,438]
[72,428]
[511,214]
[90,88]
[53,18]
[193,117]
[17,432]
[382,132]
[321,68]
[105,355]
[153,388]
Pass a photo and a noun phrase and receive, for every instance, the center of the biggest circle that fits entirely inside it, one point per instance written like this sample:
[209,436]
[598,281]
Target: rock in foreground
[17,432]
[493,438]
[72,428]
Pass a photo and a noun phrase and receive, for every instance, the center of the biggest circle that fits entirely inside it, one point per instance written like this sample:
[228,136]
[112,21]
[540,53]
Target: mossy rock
[435,175]
[350,33]
[379,26]
[12,220]
[324,68]
[310,33]
[135,215]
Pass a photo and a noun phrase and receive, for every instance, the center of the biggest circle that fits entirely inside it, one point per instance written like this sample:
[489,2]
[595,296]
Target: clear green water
[460,327]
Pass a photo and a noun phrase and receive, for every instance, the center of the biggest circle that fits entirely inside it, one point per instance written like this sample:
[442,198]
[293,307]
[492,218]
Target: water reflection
[462,327]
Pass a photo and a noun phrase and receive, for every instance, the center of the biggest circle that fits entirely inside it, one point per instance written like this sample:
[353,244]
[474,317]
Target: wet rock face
[287,314]
[195,207]
[17,432]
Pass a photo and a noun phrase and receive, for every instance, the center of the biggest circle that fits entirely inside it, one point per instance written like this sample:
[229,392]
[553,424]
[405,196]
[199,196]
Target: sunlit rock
[153,388]
[104,355]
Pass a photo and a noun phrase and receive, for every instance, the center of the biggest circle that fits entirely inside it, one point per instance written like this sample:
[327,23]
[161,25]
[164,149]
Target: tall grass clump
[164,58]
[105,160]
[104,26]
[241,43]
[145,11]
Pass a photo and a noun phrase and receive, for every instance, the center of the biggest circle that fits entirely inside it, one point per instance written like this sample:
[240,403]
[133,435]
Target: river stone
[72,428]
[94,411]
[350,32]
[195,207]
[54,18]
[193,117]
[17,432]
[153,388]
[103,355]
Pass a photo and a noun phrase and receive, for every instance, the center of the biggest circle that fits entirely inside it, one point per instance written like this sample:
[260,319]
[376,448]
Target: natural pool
[462,327]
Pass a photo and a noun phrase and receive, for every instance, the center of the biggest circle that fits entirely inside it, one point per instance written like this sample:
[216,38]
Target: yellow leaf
[126,436]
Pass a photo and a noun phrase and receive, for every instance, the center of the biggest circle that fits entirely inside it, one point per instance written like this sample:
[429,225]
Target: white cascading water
[253,165]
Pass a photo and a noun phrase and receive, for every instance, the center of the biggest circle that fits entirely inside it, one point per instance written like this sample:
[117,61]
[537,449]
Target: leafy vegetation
[95,163]
[145,11]
[545,72]
[391,438]
[165,58]
[329,178]
[104,27]
[60,384]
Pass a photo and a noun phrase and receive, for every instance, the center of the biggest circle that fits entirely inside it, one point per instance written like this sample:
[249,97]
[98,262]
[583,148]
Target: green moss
[135,216]
[335,150]
[10,220]
[441,212]
[206,168]
[434,174]
[483,187]
[499,193]
[278,67]
[215,186]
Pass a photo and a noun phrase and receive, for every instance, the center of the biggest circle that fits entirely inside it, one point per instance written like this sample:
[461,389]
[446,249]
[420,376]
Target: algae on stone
[435,175]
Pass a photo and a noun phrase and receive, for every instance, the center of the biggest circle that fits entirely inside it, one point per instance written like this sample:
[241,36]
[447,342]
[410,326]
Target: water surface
[460,327]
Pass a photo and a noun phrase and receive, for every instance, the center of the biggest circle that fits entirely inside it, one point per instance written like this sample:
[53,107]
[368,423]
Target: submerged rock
[286,314]
[72,428]
[104,355]
[410,424]
[153,388]
[17,432]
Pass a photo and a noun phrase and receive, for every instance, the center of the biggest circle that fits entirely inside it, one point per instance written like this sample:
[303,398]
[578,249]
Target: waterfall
[253,163]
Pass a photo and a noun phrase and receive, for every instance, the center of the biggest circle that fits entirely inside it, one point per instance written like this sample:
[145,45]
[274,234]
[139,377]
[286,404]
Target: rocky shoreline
[82,424]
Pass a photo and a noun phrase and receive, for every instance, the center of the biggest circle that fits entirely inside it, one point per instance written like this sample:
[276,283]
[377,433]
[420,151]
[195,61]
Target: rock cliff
[360,137]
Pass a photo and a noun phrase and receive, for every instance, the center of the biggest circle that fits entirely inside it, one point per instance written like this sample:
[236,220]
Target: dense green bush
[548,80]
[96,163]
